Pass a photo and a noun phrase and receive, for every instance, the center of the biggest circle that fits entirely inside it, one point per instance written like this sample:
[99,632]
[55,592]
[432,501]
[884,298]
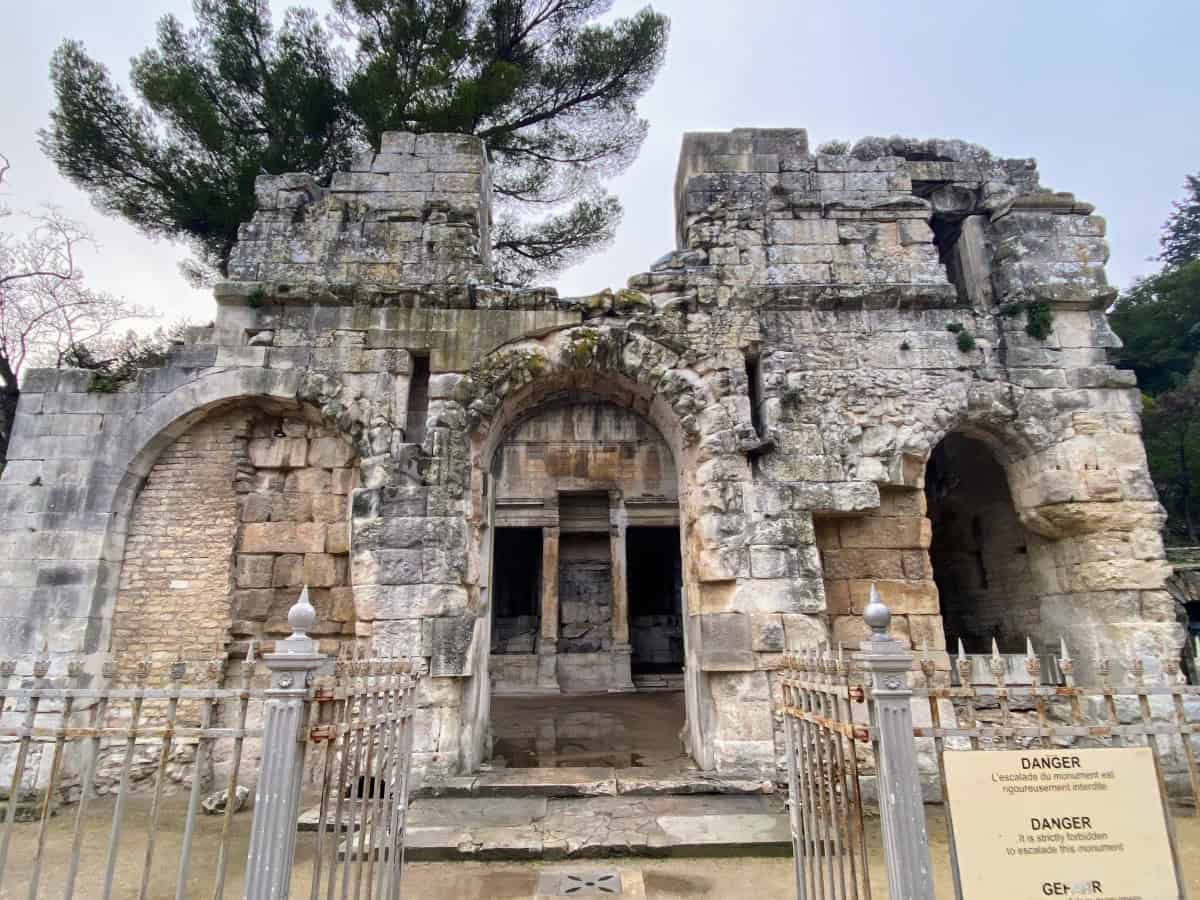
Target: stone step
[510,828]
[590,781]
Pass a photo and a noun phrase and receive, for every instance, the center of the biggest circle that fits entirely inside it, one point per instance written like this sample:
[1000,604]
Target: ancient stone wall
[236,516]
[823,324]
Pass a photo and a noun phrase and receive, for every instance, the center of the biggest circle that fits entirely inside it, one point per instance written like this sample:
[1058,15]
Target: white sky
[1102,92]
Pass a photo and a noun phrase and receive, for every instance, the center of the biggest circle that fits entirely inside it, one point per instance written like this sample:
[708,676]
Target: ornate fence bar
[159,745]
[1137,711]
[58,732]
[845,716]
[366,742]
[826,817]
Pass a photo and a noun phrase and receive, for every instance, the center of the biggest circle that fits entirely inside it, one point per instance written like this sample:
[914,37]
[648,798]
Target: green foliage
[219,104]
[1158,320]
[1039,317]
[1039,320]
[834,148]
[117,361]
[550,91]
[1181,234]
[1171,430]
[954,327]
[966,341]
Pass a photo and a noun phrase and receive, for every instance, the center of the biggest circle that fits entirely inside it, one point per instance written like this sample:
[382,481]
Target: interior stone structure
[885,366]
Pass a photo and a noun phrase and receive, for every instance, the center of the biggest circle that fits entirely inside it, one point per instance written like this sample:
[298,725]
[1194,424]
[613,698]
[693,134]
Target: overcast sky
[1104,93]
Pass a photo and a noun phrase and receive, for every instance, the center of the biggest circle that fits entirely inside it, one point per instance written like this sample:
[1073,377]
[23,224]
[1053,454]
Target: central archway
[580,617]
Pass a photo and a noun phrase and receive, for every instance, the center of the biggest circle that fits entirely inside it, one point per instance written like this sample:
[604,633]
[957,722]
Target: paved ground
[613,730]
[664,879]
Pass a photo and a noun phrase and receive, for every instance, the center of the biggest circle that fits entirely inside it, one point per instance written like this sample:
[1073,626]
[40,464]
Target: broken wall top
[417,212]
[760,220]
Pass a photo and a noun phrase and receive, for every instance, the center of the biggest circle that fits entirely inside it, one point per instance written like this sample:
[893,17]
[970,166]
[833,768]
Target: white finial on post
[877,616]
[302,616]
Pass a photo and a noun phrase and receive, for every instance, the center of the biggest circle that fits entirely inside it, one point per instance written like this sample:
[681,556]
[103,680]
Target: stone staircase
[576,813]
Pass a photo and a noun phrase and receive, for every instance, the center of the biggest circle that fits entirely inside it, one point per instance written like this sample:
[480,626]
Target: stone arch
[989,569]
[114,487]
[630,371]
[610,358]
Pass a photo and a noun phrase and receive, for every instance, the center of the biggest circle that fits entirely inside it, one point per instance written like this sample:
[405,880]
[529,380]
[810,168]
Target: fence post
[905,843]
[277,801]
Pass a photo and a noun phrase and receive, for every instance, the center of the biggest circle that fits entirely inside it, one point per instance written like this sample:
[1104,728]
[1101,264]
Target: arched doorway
[984,560]
[236,514]
[586,581]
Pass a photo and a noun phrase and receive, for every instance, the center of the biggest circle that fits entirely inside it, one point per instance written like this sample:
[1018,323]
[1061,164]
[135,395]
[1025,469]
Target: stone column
[547,645]
[622,652]
[277,802]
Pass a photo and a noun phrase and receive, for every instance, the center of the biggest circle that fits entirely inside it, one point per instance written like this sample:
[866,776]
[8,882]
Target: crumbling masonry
[889,365]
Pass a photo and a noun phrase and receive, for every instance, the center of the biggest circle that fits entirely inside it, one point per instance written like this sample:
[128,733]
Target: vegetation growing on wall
[549,88]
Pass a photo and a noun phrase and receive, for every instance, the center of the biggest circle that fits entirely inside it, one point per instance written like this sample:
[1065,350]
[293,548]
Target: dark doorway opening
[655,581]
[979,550]
[517,574]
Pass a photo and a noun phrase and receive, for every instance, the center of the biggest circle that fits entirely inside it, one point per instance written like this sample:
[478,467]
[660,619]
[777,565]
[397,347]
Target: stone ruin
[885,366]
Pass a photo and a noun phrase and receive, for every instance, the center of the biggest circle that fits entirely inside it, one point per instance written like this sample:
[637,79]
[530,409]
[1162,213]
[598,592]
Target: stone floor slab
[579,781]
[595,827]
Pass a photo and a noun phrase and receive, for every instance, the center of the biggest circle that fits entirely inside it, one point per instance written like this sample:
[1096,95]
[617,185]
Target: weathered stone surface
[791,388]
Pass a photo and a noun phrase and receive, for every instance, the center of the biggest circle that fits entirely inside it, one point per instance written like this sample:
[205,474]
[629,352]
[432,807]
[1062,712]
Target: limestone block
[860,562]
[450,645]
[283,537]
[329,508]
[321,570]
[288,570]
[804,231]
[400,567]
[308,481]
[254,571]
[291,507]
[337,539]
[253,605]
[850,631]
[900,532]
[342,604]
[771,562]
[901,597]
[725,642]
[329,453]
[837,597]
[803,632]
[256,508]
[766,632]
[343,481]
[278,453]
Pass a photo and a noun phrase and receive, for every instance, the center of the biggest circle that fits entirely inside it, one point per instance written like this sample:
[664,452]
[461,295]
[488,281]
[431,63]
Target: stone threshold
[530,828]
[590,781]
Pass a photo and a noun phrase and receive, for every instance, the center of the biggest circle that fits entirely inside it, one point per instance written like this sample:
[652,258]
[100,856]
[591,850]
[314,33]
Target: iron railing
[824,803]
[847,717]
[132,737]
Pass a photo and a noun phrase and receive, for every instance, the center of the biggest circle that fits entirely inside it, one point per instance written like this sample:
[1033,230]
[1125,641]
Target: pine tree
[551,92]
[1181,233]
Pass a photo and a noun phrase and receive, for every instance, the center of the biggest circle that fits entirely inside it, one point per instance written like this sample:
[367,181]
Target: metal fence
[105,766]
[862,708]
[825,805]
[367,744]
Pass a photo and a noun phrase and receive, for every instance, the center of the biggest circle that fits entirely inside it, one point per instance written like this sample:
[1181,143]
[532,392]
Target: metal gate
[365,740]
[824,803]
[843,717]
[108,775]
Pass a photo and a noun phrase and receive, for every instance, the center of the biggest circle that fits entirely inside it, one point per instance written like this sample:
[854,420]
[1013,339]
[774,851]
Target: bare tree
[45,307]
